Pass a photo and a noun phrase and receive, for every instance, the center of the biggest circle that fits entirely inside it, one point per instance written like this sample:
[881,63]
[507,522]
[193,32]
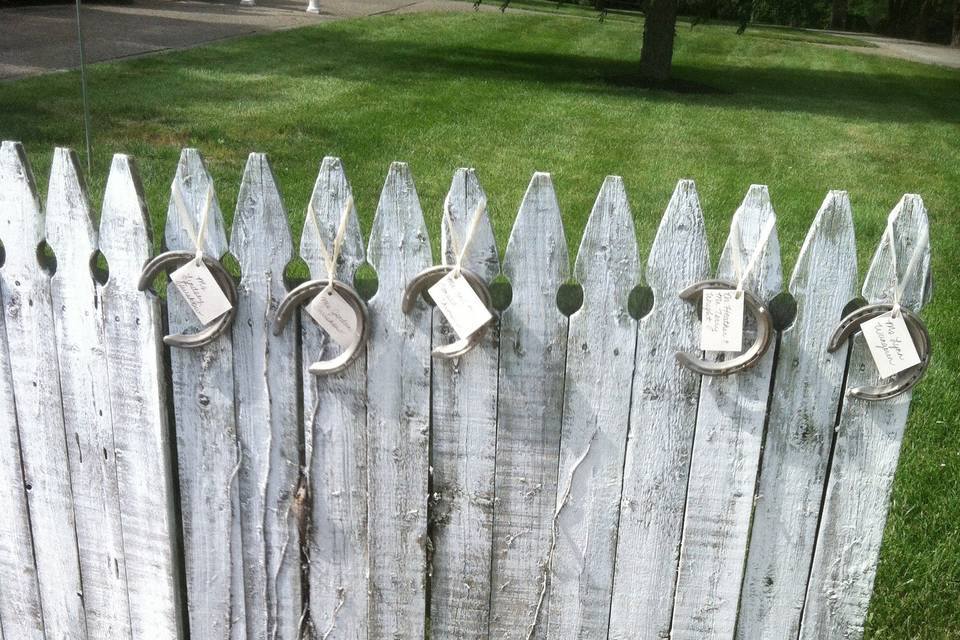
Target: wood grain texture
[600,352]
[726,456]
[265,385]
[463,442]
[86,406]
[663,414]
[207,448]
[533,349]
[398,419]
[335,416]
[868,439]
[20,615]
[138,402]
[31,340]
[803,410]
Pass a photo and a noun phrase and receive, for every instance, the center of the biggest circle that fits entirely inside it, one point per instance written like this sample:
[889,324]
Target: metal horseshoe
[172,260]
[902,381]
[308,291]
[749,358]
[429,277]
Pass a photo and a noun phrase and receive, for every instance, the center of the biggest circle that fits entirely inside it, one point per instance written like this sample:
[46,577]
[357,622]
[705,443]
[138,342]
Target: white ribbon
[900,285]
[460,249]
[330,258]
[196,235]
[743,273]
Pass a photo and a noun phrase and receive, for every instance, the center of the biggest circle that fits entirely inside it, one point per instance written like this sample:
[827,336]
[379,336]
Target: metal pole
[83,91]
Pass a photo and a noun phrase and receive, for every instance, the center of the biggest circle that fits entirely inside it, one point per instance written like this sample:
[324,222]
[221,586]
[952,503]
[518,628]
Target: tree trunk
[920,30]
[658,31]
[838,17]
[955,41]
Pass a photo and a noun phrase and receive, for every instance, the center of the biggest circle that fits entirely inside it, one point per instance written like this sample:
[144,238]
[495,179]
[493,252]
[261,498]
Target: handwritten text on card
[201,291]
[721,327]
[890,344]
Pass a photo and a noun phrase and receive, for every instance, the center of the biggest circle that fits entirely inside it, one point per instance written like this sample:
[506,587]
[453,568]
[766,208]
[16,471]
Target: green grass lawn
[512,94]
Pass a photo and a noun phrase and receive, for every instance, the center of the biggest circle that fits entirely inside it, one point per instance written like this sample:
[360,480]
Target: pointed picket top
[330,193]
[536,260]
[608,250]
[766,278]
[397,225]
[260,239]
[909,224]
[69,225]
[125,238]
[464,196]
[21,219]
[194,180]
[679,255]
[829,253]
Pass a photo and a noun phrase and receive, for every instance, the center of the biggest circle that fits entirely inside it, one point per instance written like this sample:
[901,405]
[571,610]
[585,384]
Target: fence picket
[533,340]
[336,421]
[207,447]
[868,439]
[463,443]
[398,419]
[803,410]
[265,379]
[86,408]
[20,595]
[600,348]
[138,402]
[663,414]
[28,315]
[726,456]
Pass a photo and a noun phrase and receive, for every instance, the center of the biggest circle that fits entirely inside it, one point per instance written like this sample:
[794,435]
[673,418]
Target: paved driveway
[40,39]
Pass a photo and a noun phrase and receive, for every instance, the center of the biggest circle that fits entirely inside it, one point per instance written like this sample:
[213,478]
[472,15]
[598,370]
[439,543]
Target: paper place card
[890,344]
[459,304]
[335,316]
[721,326]
[201,291]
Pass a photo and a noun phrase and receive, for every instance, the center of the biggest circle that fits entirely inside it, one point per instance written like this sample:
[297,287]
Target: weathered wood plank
[726,456]
[28,315]
[867,449]
[533,341]
[335,415]
[86,407]
[20,615]
[398,419]
[600,347]
[207,447]
[134,354]
[463,442]
[800,425]
[663,414]
[265,386]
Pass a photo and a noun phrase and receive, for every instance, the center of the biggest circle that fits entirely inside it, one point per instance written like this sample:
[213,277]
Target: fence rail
[565,479]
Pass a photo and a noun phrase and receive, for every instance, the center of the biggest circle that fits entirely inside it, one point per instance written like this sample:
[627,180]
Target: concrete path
[925,52]
[42,39]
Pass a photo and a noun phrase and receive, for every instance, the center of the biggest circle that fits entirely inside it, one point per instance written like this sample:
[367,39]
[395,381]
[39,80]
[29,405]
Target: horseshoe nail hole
[232,265]
[569,298]
[47,258]
[365,281]
[295,273]
[783,309]
[853,305]
[99,269]
[501,292]
[640,301]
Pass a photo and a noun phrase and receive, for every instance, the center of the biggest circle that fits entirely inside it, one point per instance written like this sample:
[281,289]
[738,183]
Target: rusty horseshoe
[172,260]
[430,276]
[751,356]
[902,381]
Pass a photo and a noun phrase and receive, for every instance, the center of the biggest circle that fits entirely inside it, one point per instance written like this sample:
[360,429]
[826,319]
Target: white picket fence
[565,479]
